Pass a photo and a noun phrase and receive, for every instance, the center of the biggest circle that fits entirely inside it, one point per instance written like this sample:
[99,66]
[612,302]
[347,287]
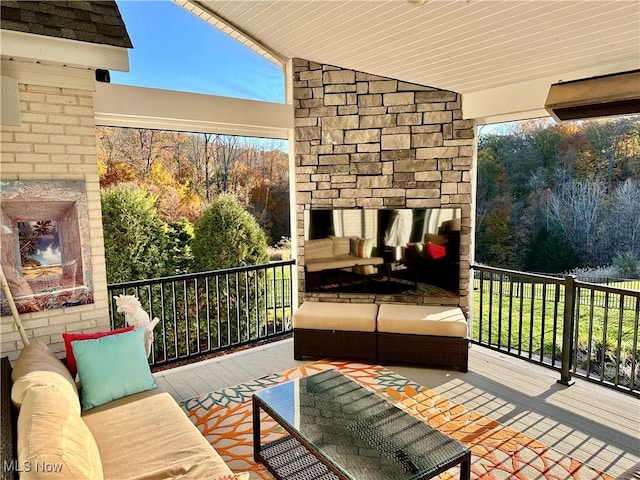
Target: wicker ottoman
[336,330]
[423,334]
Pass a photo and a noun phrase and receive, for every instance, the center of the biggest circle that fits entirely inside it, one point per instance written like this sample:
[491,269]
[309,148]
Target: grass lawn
[522,320]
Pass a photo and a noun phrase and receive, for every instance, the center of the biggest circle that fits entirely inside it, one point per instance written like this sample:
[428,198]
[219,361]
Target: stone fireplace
[364,141]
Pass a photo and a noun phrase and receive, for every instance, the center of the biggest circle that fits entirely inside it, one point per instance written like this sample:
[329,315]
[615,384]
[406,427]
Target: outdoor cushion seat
[360,317]
[422,320]
[147,435]
[338,330]
[423,334]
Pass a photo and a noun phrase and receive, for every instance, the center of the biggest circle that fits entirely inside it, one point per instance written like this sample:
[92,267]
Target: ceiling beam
[523,100]
[138,107]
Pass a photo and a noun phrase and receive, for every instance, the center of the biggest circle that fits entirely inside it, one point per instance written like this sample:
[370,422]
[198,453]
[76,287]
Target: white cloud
[50,255]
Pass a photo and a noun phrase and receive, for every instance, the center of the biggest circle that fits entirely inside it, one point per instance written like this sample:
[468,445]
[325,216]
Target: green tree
[228,236]
[550,252]
[495,244]
[135,238]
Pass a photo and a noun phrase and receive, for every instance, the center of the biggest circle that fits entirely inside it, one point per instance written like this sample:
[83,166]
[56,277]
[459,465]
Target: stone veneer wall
[57,141]
[364,141]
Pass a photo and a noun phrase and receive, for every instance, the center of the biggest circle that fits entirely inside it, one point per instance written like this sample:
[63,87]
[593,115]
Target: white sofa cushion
[321,248]
[38,365]
[341,245]
[354,317]
[147,436]
[53,441]
[422,320]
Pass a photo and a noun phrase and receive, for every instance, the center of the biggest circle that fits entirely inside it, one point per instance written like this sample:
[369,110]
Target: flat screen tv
[383,251]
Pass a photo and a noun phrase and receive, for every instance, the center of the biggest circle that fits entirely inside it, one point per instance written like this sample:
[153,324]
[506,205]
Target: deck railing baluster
[520,318]
[218,323]
[591,321]
[555,325]
[500,295]
[531,320]
[510,329]
[175,321]
[634,358]
[603,348]
[187,326]
[620,332]
[480,317]
[207,285]
[490,323]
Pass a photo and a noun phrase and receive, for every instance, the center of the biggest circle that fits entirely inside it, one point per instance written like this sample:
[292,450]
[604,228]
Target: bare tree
[228,151]
[146,138]
[623,223]
[112,143]
[577,206]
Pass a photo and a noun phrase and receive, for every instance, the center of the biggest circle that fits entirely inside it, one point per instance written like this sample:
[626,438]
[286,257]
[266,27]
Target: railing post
[567,329]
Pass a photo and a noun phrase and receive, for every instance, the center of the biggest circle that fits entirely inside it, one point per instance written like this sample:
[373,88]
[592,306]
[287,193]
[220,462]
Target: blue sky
[175,50]
[47,246]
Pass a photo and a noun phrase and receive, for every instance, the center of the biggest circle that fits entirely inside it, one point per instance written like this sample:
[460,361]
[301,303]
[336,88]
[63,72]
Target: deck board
[592,423]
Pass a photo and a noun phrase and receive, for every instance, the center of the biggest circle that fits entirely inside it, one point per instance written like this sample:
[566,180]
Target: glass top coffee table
[338,429]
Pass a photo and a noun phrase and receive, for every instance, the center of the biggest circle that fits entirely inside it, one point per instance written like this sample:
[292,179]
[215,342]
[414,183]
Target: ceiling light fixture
[416,2]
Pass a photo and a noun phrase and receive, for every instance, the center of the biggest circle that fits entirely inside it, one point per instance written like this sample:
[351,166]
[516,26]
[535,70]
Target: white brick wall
[56,141]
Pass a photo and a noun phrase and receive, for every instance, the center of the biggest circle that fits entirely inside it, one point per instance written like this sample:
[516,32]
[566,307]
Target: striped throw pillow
[362,247]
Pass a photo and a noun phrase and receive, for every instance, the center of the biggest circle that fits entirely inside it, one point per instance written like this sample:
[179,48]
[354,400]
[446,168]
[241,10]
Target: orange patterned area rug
[498,452]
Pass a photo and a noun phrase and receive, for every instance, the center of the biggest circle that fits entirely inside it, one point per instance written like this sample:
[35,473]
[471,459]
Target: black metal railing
[212,311]
[599,298]
[575,327]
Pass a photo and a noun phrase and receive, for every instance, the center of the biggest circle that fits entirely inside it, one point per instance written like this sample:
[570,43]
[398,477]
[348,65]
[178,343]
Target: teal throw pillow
[112,367]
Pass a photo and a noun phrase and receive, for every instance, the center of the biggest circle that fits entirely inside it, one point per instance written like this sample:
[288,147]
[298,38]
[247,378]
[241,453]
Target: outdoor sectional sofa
[386,333]
[332,253]
[143,436]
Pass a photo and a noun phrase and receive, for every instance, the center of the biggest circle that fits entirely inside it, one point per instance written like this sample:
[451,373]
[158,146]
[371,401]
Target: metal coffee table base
[288,459]
[340,430]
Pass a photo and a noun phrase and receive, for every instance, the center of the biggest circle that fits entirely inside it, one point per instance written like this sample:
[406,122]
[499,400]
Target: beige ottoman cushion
[354,317]
[422,320]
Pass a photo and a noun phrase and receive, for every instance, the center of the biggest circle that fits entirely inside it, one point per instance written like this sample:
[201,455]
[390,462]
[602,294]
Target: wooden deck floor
[593,424]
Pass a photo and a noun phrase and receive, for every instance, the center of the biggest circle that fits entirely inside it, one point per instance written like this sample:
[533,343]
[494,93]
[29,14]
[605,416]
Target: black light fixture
[103,76]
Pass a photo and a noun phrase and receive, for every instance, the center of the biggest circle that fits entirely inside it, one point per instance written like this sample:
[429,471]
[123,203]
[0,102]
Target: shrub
[281,250]
[227,236]
[135,238]
[180,235]
[627,265]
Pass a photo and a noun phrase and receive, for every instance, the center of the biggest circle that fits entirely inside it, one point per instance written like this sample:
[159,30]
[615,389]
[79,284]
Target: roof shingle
[95,21]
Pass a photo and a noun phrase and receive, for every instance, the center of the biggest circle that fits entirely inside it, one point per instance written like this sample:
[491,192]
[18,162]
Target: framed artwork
[45,252]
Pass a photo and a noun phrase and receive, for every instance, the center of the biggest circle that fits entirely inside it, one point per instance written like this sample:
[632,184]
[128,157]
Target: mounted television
[383,251]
